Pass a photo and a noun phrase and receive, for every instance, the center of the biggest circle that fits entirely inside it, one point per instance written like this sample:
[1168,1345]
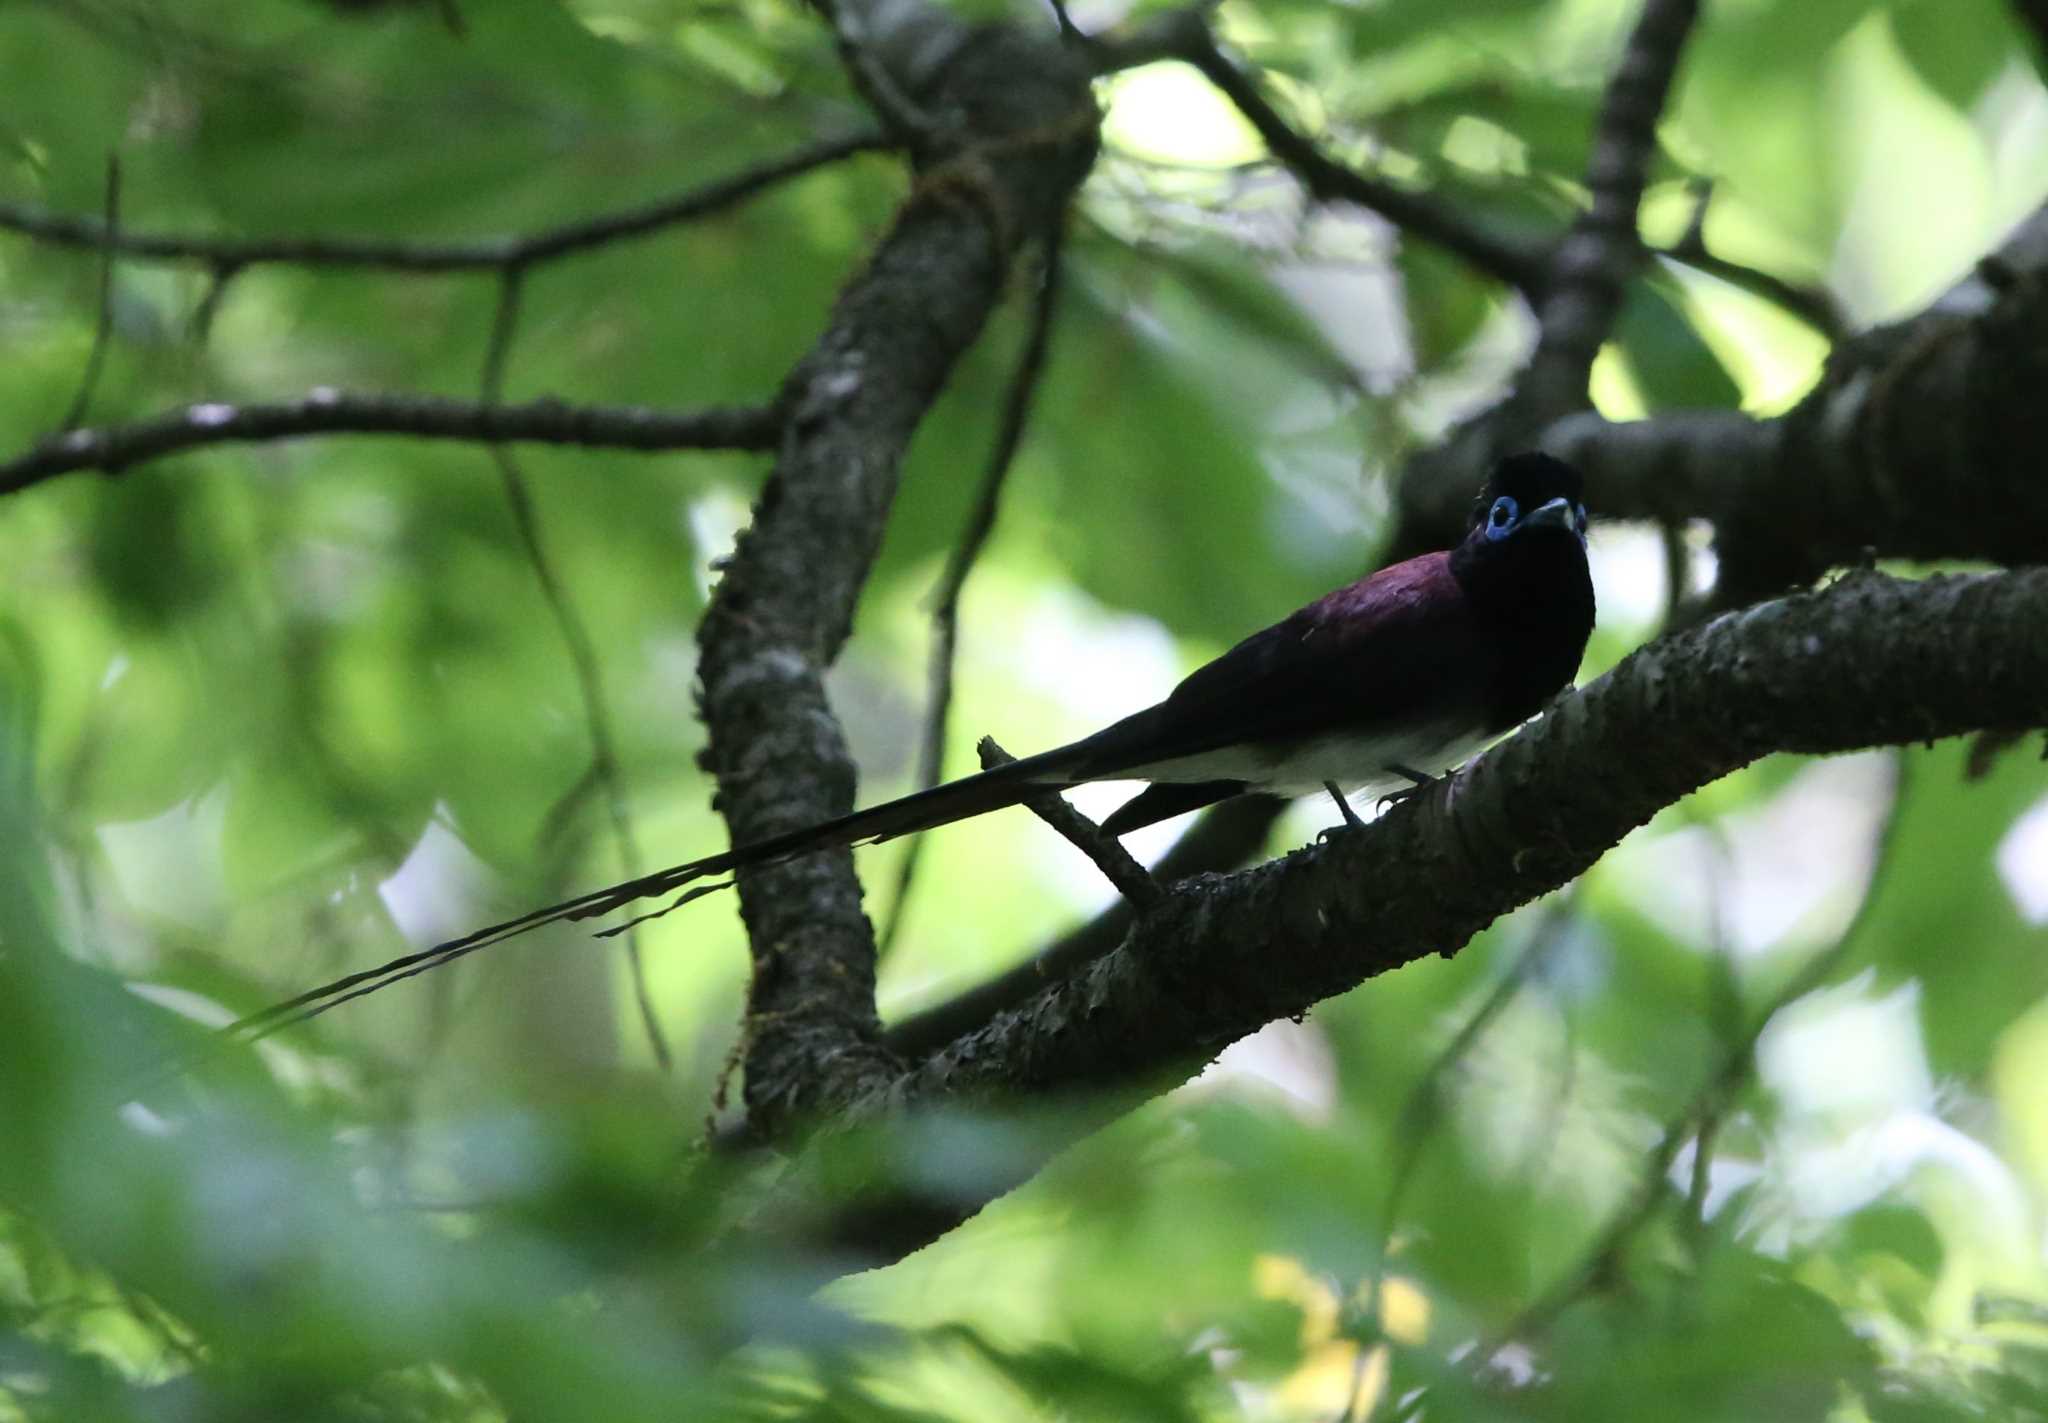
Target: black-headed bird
[1374,687]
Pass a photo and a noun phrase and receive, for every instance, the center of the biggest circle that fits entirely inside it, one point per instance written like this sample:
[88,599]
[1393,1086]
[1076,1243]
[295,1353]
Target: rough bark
[1871,660]
[1590,271]
[1922,440]
[1013,130]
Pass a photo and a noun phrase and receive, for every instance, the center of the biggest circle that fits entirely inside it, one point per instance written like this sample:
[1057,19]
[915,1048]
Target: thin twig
[1813,305]
[1132,880]
[1592,265]
[1601,1259]
[577,641]
[1152,38]
[476,254]
[1677,573]
[1069,31]
[324,411]
[1725,1009]
[218,280]
[103,325]
[1702,1177]
[1518,263]
[597,720]
[981,522]
[902,116]
[498,345]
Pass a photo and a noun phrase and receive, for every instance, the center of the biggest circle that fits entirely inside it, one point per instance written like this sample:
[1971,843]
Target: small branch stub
[1107,854]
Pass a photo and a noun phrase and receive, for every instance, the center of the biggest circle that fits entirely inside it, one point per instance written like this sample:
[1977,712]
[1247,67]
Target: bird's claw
[1419,784]
[1351,820]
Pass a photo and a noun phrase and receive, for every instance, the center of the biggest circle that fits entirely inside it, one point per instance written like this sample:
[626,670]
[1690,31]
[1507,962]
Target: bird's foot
[1418,783]
[1351,820]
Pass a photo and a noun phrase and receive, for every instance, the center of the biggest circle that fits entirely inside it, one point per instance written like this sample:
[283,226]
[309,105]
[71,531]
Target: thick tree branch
[232,254]
[1593,264]
[1923,440]
[323,411]
[1019,133]
[1580,297]
[1872,660]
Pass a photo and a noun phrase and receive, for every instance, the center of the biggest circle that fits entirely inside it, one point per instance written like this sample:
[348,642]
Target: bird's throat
[1533,596]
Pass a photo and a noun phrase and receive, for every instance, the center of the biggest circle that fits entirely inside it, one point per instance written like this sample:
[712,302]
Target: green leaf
[1943,917]
[1245,296]
[1445,301]
[1957,50]
[1673,367]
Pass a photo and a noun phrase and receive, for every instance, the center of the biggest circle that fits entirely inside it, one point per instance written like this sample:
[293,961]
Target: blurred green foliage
[268,714]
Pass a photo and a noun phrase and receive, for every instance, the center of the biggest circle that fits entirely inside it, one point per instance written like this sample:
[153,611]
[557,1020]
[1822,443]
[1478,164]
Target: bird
[1374,687]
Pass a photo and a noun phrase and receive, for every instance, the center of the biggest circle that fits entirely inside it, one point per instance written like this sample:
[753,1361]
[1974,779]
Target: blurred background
[1748,1123]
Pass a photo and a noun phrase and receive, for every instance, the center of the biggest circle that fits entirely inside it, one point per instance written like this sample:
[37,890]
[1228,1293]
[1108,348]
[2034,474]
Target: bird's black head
[1529,494]
[1523,571]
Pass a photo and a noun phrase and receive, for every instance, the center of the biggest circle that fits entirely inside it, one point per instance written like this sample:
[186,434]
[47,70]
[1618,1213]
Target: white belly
[1354,763]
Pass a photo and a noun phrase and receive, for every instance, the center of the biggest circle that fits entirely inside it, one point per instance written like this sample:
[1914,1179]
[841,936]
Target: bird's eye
[1501,517]
[1580,518]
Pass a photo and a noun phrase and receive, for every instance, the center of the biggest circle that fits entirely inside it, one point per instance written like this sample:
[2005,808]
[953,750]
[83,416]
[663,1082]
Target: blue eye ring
[1501,518]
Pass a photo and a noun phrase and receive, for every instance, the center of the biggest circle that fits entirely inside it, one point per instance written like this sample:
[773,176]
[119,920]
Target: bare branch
[1923,440]
[323,411]
[785,604]
[217,283]
[230,254]
[103,325]
[1151,38]
[1516,262]
[1815,306]
[498,346]
[1592,266]
[604,756]
[576,641]
[900,114]
[981,522]
[1107,853]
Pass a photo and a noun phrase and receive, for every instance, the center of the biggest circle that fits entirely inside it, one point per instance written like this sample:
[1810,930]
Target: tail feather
[994,789]
[1166,800]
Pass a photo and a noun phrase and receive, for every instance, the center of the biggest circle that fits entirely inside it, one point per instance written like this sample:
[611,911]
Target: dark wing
[1400,646]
